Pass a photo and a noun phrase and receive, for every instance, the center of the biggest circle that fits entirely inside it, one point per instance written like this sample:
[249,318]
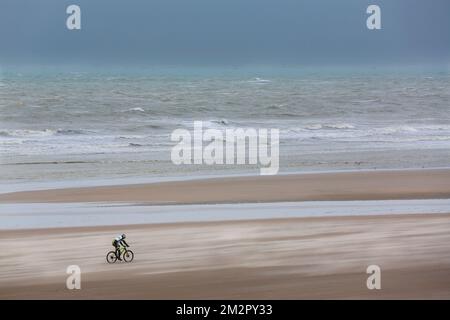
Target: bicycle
[127,255]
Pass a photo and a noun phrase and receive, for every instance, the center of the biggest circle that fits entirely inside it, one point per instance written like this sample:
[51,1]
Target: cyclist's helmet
[123,236]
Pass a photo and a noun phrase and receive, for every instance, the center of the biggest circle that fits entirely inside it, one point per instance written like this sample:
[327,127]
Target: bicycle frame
[122,249]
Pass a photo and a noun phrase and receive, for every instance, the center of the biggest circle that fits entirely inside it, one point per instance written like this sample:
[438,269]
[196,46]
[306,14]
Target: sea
[90,124]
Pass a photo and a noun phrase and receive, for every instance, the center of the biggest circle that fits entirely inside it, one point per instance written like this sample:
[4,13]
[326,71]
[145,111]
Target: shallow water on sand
[44,215]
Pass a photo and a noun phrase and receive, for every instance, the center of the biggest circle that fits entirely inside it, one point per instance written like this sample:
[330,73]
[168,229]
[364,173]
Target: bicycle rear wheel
[111,257]
[128,256]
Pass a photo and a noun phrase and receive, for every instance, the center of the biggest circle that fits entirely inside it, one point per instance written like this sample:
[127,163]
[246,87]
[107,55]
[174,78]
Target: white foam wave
[138,109]
[319,126]
[27,133]
[396,129]
[259,80]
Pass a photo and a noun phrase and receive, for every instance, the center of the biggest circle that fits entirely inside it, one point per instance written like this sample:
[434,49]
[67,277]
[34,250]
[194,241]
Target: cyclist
[118,242]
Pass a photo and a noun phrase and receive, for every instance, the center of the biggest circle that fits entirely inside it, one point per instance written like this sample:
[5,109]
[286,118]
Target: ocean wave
[339,126]
[366,101]
[259,80]
[144,127]
[436,138]
[319,126]
[10,142]
[137,109]
[396,129]
[224,122]
[154,126]
[27,133]
[132,144]
[70,131]
[128,137]
[209,124]
[438,127]
[364,133]
[314,127]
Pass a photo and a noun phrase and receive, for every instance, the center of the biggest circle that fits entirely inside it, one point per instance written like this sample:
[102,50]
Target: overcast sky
[190,32]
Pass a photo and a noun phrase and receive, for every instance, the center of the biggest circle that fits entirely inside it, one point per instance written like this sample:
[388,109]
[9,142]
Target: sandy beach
[323,258]
[292,258]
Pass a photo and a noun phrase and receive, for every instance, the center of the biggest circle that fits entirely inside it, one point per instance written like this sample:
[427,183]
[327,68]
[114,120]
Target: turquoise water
[58,124]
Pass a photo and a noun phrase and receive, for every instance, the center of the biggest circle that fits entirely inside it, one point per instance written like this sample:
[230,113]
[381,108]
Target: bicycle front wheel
[128,256]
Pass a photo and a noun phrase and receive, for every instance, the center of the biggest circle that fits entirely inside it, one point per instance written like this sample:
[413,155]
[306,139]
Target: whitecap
[396,129]
[314,127]
[339,126]
[69,131]
[319,126]
[26,133]
[135,110]
[259,80]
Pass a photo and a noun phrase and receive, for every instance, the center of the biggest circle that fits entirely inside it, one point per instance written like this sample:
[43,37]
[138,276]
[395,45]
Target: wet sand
[363,185]
[321,258]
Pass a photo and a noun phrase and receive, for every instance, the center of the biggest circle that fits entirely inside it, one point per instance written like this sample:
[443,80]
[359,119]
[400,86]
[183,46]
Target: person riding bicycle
[118,242]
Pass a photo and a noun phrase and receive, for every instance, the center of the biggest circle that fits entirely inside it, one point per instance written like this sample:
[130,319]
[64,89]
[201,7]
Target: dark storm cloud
[225,32]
